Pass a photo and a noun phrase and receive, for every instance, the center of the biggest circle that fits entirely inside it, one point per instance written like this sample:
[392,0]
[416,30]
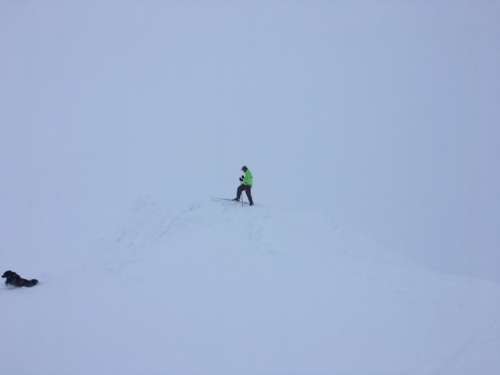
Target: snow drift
[218,288]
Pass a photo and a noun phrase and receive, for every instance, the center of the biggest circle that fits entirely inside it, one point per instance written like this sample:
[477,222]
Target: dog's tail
[31,283]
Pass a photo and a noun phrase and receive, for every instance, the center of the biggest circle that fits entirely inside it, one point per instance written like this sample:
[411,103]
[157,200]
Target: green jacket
[248,178]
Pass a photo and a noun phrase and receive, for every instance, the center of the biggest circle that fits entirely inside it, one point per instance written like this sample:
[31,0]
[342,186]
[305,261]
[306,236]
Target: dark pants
[248,190]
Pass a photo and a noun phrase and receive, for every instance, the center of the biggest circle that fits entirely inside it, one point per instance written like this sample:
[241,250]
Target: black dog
[14,279]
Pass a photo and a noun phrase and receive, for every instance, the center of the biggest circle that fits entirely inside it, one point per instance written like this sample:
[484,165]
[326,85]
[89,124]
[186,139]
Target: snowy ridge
[220,288]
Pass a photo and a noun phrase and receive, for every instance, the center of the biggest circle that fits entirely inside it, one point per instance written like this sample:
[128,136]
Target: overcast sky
[383,113]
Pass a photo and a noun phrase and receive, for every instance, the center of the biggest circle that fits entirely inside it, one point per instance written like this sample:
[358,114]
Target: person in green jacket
[246,185]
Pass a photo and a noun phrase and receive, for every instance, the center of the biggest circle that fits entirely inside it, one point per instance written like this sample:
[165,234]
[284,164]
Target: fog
[383,112]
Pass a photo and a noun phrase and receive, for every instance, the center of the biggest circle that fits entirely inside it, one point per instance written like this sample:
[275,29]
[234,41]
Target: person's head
[244,168]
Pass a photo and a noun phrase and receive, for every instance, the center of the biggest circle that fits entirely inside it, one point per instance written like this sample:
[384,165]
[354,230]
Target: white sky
[382,112]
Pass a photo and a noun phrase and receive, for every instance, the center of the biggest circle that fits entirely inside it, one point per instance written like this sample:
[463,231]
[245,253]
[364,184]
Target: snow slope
[217,288]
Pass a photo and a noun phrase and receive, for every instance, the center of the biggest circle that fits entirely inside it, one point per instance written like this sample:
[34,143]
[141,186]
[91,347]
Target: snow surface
[371,128]
[219,288]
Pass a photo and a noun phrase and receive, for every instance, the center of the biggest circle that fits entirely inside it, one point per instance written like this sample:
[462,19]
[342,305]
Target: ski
[230,200]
